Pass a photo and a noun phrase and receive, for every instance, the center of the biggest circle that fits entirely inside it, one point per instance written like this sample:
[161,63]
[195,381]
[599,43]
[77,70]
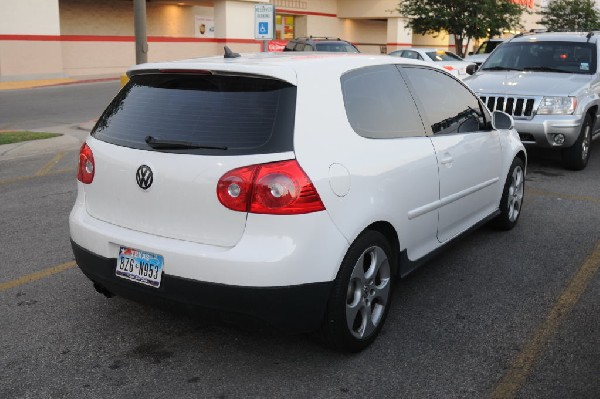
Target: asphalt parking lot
[496,315]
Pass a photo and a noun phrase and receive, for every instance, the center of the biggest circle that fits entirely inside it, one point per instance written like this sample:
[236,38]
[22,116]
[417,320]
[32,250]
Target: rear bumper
[298,308]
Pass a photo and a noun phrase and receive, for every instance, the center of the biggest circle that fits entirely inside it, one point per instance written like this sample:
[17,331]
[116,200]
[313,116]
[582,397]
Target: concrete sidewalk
[72,135]
[72,138]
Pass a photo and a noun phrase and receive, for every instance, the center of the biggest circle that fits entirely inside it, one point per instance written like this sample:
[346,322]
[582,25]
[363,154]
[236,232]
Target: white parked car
[294,189]
[483,51]
[442,58]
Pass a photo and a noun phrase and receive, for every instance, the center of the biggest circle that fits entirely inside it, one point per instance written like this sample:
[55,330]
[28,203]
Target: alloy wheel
[515,193]
[368,292]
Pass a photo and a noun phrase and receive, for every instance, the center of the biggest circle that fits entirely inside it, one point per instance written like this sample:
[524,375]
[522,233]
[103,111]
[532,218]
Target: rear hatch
[188,130]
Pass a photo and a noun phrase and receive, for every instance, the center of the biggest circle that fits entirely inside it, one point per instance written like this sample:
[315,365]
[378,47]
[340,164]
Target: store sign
[264,21]
[526,3]
[276,45]
[205,26]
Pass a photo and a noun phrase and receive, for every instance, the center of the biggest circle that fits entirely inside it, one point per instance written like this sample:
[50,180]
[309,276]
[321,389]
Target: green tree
[570,16]
[462,19]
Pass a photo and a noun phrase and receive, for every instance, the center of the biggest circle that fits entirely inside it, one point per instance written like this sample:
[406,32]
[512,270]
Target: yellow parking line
[37,275]
[48,173]
[541,193]
[52,163]
[514,378]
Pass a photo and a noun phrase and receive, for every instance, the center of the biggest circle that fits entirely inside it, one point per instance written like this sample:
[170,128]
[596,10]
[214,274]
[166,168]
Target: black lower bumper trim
[298,308]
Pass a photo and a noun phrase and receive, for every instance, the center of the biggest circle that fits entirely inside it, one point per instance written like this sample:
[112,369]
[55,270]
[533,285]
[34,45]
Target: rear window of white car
[201,114]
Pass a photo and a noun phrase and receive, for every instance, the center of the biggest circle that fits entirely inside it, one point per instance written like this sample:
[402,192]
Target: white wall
[29,17]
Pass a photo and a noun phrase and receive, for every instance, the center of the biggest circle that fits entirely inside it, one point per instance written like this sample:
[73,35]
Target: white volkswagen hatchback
[291,188]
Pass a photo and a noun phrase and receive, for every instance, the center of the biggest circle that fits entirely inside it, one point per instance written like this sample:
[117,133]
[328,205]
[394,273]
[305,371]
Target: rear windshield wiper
[545,69]
[501,68]
[176,144]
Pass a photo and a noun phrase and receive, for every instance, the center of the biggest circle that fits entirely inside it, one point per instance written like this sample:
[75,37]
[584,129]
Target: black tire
[576,157]
[360,299]
[512,196]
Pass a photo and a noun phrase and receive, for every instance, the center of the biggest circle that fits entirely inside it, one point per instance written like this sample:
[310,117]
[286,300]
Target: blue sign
[263,28]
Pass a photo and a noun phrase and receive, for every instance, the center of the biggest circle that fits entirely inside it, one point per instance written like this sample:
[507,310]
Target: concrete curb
[27,148]
[71,139]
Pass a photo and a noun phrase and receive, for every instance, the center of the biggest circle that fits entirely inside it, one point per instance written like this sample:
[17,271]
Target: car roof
[319,39]
[555,36]
[425,49]
[281,65]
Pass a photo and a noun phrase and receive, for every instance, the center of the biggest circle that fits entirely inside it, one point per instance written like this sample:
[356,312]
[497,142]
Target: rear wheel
[361,294]
[576,157]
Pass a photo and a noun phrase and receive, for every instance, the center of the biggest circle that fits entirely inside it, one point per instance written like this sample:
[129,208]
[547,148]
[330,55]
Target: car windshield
[337,47]
[443,56]
[562,57]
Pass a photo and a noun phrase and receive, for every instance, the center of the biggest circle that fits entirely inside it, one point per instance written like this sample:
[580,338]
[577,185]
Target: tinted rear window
[379,105]
[241,113]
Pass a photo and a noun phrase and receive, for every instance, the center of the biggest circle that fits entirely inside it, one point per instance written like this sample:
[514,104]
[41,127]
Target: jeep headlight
[557,106]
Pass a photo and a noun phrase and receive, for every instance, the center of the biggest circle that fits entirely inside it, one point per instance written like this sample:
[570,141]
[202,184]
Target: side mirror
[472,68]
[502,121]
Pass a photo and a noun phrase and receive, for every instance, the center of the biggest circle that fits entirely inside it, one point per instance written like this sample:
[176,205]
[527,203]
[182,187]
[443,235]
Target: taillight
[279,188]
[85,171]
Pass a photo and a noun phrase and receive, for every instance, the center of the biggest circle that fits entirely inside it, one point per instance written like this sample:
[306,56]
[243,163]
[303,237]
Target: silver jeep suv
[550,84]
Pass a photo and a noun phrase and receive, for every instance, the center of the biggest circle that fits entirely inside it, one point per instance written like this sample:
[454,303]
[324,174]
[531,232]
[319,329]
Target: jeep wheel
[360,298]
[576,157]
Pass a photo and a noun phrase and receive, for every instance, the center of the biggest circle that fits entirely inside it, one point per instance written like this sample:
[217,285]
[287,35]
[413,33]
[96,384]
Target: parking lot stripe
[541,193]
[514,378]
[22,178]
[48,166]
[37,275]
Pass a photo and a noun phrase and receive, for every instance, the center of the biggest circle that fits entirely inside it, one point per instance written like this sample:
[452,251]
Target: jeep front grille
[517,107]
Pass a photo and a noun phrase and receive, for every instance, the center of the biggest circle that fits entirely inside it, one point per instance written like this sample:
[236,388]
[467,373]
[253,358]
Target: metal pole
[141,39]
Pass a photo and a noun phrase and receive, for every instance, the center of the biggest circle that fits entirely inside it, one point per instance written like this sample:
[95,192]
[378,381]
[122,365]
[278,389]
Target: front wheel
[512,196]
[361,294]
[576,157]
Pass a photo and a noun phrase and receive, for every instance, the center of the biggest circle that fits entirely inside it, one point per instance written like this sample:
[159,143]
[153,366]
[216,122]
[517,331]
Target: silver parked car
[550,84]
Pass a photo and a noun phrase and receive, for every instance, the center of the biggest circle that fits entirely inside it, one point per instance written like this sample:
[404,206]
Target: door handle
[447,160]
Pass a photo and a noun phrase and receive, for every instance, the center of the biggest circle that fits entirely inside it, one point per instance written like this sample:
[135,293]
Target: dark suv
[313,43]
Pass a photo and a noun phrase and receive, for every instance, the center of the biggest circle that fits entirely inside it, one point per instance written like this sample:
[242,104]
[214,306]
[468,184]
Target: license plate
[139,266]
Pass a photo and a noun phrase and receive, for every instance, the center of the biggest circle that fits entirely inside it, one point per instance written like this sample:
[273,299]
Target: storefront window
[284,28]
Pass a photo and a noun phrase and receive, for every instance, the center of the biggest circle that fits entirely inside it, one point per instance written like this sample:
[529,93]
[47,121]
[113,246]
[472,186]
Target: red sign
[276,45]
[526,3]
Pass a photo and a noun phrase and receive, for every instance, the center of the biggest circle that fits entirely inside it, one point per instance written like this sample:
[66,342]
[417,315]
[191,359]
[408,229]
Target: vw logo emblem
[144,177]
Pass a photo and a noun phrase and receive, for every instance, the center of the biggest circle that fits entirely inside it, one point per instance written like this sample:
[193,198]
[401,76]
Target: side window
[447,105]
[308,47]
[413,55]
[379,104]
[299,47]
[289,46]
